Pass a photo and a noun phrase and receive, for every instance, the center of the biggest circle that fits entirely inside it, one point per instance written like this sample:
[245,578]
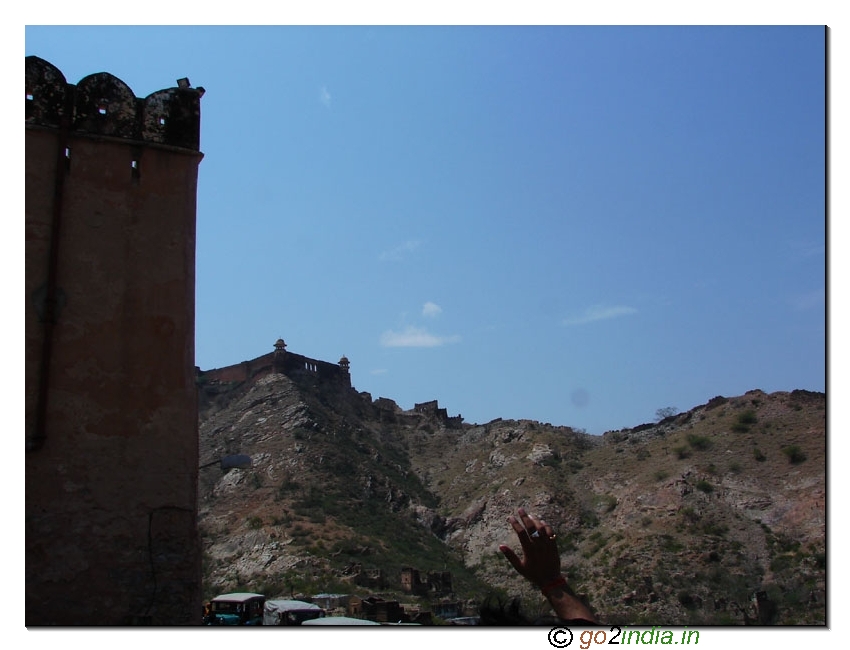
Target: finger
[544,529]
[508,552]
[528,521]
[516,525]
[521,533]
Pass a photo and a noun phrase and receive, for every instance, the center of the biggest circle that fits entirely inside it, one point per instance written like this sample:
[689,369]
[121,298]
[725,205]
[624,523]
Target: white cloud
[415,337]
[378,371]
[599,312]
[398,253]
[325,96]
[431,310]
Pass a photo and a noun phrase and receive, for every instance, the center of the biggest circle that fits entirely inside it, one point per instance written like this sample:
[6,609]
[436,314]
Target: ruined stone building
[432,409]
[437,583]
[111,410]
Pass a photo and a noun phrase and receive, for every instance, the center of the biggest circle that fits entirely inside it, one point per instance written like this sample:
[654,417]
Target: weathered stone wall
[295,366]
[111,411]
[240,371]
[433,409]
[415,582]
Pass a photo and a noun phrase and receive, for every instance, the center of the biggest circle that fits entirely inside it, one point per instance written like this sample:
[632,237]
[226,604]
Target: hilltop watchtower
[111,410]
[279,358]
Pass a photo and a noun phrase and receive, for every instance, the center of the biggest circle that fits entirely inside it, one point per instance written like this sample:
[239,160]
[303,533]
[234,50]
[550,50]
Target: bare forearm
[567,605]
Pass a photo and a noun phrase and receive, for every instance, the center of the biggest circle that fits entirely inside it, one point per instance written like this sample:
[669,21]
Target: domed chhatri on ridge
[279,356]
[343,363]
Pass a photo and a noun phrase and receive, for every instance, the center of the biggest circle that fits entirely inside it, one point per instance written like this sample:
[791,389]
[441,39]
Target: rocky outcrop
[681,521]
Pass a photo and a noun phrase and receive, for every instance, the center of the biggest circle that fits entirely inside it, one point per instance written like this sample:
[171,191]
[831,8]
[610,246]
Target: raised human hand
[541,565]
[540,562]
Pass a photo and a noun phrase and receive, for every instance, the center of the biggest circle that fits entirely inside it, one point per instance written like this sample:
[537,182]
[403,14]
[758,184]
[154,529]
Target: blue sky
[577,225]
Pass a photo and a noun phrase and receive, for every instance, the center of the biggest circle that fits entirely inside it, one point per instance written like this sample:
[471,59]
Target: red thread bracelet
[560,581]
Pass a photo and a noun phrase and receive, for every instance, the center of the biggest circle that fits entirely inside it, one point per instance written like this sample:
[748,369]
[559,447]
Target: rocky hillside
[711,516]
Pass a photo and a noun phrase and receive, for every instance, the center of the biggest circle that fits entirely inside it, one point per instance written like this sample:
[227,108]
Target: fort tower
[111,405]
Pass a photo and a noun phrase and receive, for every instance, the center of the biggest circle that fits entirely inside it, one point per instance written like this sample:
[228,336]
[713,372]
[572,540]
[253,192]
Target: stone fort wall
[110,400]
[295,366]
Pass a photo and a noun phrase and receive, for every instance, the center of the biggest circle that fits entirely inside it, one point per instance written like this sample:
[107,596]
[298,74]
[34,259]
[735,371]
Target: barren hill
[711,516]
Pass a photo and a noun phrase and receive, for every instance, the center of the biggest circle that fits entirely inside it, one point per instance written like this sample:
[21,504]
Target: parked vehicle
[236,609]
[290,612]
[339,620]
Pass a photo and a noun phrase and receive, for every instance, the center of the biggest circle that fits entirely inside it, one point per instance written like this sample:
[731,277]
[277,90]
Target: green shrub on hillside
[748,417]
[704,486]
[794,454]
[714,528]
[689,514]
[588,519]
[700,443]
[744,421]
[671,545]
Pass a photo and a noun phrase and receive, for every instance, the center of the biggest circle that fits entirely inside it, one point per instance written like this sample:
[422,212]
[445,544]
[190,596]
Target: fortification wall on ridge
[240,371]
[294,366]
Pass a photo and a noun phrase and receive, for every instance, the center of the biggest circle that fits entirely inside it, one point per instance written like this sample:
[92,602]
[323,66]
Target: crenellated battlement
[103,105]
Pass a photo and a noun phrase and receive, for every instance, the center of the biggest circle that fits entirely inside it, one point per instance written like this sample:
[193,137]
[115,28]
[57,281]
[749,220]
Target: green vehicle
[236,609]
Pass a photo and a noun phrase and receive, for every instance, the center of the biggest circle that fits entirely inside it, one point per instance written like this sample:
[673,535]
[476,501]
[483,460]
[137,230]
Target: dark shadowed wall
[111,406]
